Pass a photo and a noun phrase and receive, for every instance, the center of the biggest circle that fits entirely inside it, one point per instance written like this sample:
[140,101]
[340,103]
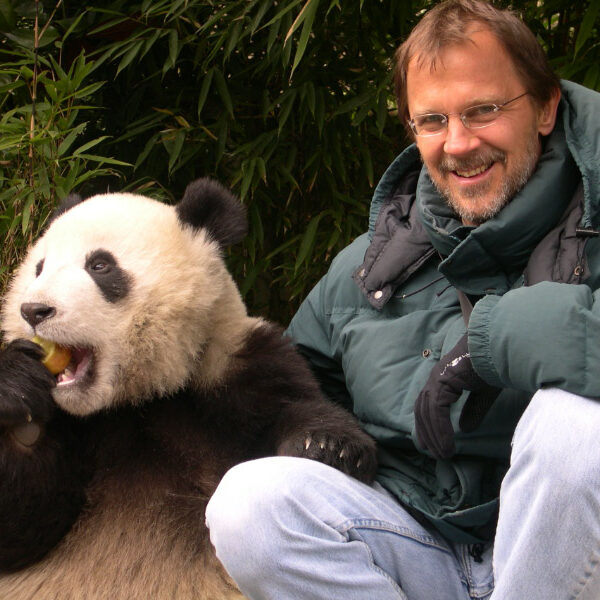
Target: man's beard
[471,212]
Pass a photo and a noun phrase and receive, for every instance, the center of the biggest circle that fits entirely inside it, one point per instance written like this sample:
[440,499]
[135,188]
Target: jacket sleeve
[546,335]
[310,330]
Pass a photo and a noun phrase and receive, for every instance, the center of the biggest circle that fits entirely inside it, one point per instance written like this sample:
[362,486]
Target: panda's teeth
[66,376]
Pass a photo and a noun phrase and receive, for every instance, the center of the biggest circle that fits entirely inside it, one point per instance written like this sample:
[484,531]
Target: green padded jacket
[388,308]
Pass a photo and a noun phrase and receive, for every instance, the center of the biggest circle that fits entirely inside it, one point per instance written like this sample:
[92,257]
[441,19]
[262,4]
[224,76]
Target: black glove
[452,375]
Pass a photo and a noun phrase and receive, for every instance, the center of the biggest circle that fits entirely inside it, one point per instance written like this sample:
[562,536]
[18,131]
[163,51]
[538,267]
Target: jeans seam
[592,567]
[392,528]
[379,570]
[476,590]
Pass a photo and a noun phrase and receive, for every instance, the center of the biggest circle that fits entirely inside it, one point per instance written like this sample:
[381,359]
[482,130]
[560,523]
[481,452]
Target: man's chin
[473,211]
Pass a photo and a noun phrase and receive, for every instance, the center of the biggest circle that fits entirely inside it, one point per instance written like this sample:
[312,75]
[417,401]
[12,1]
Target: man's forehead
[478,70]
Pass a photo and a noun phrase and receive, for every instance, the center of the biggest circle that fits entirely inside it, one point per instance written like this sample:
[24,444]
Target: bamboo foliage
[288,102]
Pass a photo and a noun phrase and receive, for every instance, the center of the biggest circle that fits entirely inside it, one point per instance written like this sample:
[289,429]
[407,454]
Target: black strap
[466,305]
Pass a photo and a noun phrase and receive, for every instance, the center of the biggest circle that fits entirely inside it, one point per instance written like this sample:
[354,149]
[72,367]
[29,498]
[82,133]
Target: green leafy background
[288,102]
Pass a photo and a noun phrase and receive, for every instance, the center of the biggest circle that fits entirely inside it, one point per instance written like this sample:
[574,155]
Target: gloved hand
[452,375]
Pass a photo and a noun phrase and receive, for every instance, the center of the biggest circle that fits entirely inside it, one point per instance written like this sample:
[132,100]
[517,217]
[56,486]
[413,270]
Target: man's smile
[473,172]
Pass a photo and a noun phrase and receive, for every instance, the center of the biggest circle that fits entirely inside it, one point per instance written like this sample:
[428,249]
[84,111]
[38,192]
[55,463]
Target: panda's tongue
[80,360]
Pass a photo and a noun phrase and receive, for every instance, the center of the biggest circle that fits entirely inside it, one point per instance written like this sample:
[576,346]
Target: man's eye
[481,111]
[432,122]
[433,119]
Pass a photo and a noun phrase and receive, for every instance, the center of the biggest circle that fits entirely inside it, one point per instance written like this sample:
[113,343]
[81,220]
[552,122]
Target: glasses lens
[428,124]
[481,115]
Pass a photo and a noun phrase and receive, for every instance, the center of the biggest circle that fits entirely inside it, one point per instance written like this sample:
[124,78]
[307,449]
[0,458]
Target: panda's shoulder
[268,357]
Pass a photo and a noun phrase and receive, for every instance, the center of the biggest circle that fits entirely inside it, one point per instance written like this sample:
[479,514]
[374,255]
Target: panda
[107,467]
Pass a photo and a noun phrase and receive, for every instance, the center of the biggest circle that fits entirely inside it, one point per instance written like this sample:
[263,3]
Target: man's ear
[547,115]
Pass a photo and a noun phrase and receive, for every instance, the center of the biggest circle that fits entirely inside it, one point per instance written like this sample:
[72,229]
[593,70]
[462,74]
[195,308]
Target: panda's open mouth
[78,368]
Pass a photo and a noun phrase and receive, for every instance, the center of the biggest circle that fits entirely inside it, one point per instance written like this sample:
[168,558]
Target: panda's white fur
[104,497]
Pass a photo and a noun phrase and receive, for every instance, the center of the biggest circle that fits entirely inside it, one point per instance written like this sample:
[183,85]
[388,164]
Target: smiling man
[463,331]
[481,161]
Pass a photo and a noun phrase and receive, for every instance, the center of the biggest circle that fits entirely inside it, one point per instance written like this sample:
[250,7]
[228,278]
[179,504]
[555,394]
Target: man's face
[478,171]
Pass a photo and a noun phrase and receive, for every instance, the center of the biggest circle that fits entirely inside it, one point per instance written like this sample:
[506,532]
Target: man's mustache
[449,164]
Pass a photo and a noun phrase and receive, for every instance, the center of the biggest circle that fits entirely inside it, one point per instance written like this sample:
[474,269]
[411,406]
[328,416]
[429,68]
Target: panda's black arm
[41,473]
[277,380]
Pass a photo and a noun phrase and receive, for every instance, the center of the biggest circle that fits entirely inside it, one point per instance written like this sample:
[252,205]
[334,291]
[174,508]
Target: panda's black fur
[107,499]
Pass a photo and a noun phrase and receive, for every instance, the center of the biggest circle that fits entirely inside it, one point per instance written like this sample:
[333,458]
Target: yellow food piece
[57,357]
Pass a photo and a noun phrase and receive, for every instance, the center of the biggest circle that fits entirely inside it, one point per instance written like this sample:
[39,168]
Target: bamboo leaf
[223,91]
[382,112]
[248,167]
[302,16]
[320,111]
[129,56]
[150,145]
[367,163]
[308,241]
[250,278]
[262,168]
[104,159]
[173,49]
[260,13]
[256,224]
[69,139]
[174,148]
[7,16]
[273,33]
[26,214]
[310,8]
[222,139]
[233,39]
[282,13]
[587,25]
[353,103]
[592,75]
[89,145]
[286,108]
[310,96]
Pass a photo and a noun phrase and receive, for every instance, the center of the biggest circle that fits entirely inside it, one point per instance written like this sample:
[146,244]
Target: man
[472,291]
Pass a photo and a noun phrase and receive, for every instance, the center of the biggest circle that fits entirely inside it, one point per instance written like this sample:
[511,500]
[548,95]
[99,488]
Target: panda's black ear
[66,204]
[206,204]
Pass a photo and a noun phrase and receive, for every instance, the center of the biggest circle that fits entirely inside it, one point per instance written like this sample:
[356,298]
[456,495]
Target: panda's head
[138,291]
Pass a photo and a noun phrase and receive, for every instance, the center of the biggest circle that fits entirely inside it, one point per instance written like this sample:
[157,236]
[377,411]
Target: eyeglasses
[474,117]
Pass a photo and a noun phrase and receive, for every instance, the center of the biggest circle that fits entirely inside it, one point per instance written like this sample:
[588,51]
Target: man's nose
[459,139]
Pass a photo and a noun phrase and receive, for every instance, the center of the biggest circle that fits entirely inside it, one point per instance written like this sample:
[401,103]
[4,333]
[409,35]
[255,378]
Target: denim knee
[247,515]
[558,436]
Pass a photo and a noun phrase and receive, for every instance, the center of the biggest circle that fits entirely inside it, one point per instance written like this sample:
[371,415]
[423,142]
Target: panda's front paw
[355,456]
[25,385]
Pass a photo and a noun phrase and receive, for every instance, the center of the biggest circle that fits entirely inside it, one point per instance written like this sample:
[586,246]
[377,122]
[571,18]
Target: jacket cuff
[479,340]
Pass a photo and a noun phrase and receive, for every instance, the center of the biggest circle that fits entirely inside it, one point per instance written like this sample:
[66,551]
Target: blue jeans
[288,528]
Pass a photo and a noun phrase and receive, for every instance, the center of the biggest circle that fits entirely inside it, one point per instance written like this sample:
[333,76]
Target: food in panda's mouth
[56,357]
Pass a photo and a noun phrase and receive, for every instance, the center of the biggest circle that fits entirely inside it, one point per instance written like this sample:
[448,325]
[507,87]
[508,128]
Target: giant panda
[106,468]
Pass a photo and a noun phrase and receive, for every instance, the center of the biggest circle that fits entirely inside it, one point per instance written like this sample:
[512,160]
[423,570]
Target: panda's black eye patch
[112,280]
[39,267]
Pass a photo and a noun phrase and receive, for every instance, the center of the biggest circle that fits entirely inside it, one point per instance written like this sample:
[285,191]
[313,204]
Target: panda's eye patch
[39,267]
[100,261]
[112,280]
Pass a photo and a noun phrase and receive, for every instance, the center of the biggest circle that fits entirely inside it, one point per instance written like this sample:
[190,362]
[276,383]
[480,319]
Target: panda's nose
[34,312]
